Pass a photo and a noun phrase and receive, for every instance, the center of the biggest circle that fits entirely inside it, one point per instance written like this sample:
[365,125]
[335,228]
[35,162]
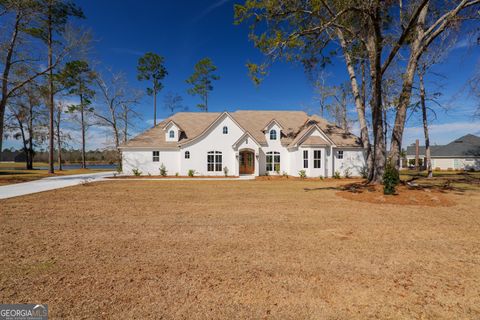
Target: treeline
[69,156]
[52,92]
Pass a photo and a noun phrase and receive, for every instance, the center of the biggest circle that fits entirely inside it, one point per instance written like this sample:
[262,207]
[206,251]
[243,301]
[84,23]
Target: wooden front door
[247,162]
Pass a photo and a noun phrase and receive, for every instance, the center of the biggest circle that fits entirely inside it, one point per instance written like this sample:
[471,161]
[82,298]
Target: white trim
[219,118]
[270,123]
[235,144]
[309,131]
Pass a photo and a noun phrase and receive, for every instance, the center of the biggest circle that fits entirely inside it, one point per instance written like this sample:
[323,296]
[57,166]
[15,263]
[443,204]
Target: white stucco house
[246,143]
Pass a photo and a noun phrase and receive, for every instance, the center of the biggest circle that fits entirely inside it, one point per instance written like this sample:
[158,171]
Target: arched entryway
[246,162]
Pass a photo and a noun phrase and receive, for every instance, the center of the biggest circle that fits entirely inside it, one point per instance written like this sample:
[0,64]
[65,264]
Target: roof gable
[272,123]
[194,125]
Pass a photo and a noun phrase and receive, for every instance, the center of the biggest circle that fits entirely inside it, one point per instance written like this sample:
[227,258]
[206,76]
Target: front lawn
[239,249]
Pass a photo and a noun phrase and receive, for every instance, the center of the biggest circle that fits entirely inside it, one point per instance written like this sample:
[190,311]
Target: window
[214,161]
[225,130]
[317,159]
[187,154]
[340,154]
[273,161]
[305,158]
[156,156]
[273,134]
[171,134]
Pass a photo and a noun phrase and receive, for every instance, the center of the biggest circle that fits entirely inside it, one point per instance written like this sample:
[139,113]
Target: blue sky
[186,31]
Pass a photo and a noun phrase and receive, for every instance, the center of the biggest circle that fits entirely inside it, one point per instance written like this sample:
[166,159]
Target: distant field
[261,249]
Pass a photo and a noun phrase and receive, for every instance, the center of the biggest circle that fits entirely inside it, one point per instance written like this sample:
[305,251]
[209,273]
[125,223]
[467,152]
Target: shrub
[285,175]
[277,171]
[320,177]
[191,173]
[347,174]
[364,172]
[163,170]
[136,172]
[176,174]
[336,175]
[267,173]
[391,178]
[302,174]
[225,171]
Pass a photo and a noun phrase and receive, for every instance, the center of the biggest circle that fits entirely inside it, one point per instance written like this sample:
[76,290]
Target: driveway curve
[50,183]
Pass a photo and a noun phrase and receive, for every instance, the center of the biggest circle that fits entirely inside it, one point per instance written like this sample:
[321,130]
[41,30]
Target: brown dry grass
[238,249]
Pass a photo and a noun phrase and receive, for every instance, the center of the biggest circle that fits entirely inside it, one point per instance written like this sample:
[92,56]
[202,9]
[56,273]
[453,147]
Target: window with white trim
[156,156]
[305,159]
[171,134]
[187,154]
[214,161]
[273,161]
[273,134]
[225,130]
[340,154]
[317,159]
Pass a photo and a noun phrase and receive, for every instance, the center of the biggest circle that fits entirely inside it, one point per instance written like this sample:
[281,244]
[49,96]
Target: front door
[247,163]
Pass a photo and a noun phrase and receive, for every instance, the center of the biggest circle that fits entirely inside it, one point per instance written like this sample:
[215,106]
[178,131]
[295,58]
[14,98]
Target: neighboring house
[460,154]
[246,143]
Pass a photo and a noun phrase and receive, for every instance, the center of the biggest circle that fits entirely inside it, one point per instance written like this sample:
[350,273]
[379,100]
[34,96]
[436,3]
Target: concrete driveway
[51,183]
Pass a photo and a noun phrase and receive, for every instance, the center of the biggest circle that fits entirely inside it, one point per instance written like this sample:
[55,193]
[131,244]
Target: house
[460,154]
[244,143]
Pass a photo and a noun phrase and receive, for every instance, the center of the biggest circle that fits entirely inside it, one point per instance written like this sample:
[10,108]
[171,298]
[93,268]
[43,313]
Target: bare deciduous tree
[118,102]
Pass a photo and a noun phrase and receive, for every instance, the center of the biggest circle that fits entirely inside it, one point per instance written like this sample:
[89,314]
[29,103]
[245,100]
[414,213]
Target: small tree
[150,67]
[201,81]
[78,76]
[391,178]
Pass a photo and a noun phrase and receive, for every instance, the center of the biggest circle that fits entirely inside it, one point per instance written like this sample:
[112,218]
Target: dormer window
[225,130]
[273,134]
[171,134]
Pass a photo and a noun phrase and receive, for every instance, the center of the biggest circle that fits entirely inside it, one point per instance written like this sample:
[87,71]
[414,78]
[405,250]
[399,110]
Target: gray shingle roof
[466,146]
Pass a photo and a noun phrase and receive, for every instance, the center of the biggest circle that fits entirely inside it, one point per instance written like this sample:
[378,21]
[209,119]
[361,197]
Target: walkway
[50,183]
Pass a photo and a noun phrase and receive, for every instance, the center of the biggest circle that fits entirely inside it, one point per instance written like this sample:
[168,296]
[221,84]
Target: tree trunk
[404,100]
[30,137]
[116,134]
[125,129]
[154,107]
[59,140]
[51,142]
[428,158]
[5,75]
[374,49]
[82,121]
[359,105]
[206,101]
[24,142]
